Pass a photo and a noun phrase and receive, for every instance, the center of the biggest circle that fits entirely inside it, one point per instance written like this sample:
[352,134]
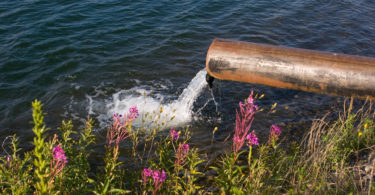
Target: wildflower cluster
[133,113]
[251,139]
[275,132]
[174,134]
[244,119]
[59,160]
[158,177]
[119,130]
[182,152]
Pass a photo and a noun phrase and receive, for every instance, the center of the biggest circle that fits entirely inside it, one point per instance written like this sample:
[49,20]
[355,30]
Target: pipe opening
[209,80]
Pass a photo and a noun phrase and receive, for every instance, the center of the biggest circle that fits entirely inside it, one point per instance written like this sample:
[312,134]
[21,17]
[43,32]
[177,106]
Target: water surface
[85,58]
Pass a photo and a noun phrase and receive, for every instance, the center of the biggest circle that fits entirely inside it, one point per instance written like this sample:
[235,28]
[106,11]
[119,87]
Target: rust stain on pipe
[292,68]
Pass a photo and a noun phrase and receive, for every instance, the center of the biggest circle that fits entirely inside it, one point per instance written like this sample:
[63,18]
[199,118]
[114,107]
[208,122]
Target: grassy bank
[334,157]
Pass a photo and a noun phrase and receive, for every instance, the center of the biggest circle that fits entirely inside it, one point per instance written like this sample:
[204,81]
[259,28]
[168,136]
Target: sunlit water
[96,58]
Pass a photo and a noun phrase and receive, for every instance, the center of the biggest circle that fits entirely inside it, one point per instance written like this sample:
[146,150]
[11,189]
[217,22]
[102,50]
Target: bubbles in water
[180,109]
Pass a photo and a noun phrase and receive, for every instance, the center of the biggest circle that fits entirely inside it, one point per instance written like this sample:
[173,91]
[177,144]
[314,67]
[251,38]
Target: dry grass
[336,157]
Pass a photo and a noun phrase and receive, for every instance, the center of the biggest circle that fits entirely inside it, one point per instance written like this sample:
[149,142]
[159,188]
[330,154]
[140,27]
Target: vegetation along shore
[334,157]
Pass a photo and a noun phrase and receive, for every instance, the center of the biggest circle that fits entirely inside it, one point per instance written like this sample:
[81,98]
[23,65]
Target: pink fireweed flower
[244,120]
[59,160]
[133,113]
[59,154]
[174,134]
[146,173]
[163,176]
[157,176]
[252,139]
[119,129]
[275,131]
[181,154]
[117,121]
[185,148]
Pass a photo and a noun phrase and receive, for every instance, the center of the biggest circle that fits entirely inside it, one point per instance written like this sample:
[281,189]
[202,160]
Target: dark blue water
[75,56]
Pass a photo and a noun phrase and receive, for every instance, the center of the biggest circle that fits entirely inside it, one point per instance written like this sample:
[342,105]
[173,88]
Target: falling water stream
[181,109]
[213,99]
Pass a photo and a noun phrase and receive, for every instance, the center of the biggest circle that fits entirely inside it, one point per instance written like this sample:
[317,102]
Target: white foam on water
[90,111]
[181,108]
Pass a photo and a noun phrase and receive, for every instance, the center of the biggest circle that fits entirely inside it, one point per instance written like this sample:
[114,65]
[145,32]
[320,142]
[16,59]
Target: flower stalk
[244,120]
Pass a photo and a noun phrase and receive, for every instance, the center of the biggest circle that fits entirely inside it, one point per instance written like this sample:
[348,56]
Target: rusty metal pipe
[292,68]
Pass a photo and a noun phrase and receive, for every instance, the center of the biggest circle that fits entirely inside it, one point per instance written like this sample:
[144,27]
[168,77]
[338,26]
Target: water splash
[180,109]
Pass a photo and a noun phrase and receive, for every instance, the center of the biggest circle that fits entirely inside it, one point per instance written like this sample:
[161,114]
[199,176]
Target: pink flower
[244,120]
[58,154]
[174,134]
[275,131]
[274,135]
[181,154]
[59,160]
[119,129]
[163,176]
[252,139]
[146,173]
[157,176]
[185,148]
[133,113]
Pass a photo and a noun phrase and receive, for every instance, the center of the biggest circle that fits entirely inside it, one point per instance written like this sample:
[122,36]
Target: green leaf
[120,191]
